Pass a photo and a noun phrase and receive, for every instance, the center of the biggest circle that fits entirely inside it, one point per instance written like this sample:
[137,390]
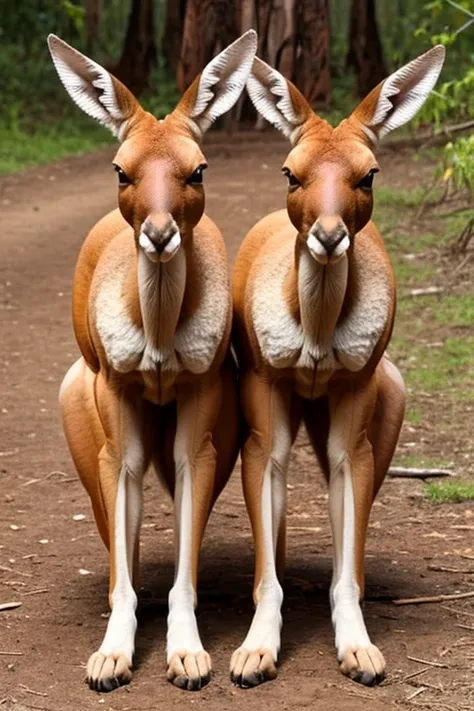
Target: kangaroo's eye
[196,177]
[122,176]
[292,181]
[367,182]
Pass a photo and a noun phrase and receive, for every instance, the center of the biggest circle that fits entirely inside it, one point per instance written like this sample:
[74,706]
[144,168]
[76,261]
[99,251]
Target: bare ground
[44,551]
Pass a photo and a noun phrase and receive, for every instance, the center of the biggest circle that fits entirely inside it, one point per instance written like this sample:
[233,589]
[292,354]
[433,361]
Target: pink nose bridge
[330,203]
[329,223]
[157,185]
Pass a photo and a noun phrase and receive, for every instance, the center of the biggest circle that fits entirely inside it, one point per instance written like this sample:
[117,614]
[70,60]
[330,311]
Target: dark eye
[292,181]
[196,177]
[123,177]
[367,182]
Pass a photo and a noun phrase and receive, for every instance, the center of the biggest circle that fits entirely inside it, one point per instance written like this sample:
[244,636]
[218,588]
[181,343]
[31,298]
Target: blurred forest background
[334,50]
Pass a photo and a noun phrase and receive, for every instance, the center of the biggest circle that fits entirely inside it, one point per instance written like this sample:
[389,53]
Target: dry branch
[446,569]
[425,291]
[417,473]
[417,692]
[430,664]
[434,598]
[430,138]
[9,605]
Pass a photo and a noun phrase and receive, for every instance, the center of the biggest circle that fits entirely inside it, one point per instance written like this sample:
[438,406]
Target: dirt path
[44,551]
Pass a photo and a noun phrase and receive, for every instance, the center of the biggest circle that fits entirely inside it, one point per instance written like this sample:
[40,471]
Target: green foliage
[450,492]
[453,101]
[71,136]
[38,120]
[459,163]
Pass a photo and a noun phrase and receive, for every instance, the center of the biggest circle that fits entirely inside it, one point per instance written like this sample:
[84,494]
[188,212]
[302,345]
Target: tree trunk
[172,35]
[311,72]
[209,26]
[365,53]
[92,22]
[139,49]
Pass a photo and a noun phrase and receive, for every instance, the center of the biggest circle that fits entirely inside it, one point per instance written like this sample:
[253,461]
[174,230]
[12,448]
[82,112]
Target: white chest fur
[321,338]
[166,341]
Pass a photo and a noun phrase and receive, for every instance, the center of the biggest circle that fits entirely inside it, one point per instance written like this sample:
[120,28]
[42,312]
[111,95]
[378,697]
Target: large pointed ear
[278,100]
[95,91]
[397,99]
[219,85]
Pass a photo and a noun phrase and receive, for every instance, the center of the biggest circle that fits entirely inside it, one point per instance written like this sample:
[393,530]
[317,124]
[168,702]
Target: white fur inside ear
[223,80]
[270,95]
[88,84]
[405,91]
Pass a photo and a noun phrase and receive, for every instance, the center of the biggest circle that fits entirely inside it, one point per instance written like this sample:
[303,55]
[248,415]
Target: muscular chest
[160,335]
[328,331]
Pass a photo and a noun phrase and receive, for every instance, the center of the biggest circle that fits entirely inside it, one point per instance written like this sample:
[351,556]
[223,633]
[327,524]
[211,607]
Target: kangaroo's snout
[159,237]
[328,239]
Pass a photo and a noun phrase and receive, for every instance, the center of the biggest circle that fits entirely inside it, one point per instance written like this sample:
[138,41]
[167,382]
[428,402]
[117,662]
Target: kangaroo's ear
[397,99]
[95,91]
[278,100]
[219,85]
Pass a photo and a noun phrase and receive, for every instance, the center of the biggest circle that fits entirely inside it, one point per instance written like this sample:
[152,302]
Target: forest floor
[55,564]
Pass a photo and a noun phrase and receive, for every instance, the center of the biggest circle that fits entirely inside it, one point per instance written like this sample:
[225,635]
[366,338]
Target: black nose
[330,240]
[160,234]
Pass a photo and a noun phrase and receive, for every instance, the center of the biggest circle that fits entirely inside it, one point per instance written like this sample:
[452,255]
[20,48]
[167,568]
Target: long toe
[189,671]
[106,673]
[366,666]
[250,668]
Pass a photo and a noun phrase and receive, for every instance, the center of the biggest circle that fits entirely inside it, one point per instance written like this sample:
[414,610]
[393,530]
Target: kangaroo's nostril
[160,231]
[330,243]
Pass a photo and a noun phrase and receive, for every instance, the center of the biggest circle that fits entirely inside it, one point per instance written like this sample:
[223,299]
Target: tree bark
[92,22]
[139,49]
[172,36]
[311,72]
[365,53]
[209,26]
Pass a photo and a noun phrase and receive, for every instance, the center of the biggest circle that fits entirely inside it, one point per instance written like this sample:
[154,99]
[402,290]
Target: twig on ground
[466,556]
[462,527]
[430,664]
[417,473]
[465,627]
[11,654]
[9,605]
[44,478]
[433,598]
[18,572]
[458,612]
[9,452]
[361,695]
[409,676]
[417,692]
[32,691]
[424,291]
[446,569]
[36,592]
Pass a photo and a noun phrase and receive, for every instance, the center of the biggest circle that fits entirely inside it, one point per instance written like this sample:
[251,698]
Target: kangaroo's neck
[321,291]
[160,290]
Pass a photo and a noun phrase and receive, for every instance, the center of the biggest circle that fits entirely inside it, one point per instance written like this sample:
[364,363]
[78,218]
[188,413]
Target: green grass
[388,197]
[419,461]
[447,369]
[42,135]
[71,136]
[456,311]
[414,416]
[450,492]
